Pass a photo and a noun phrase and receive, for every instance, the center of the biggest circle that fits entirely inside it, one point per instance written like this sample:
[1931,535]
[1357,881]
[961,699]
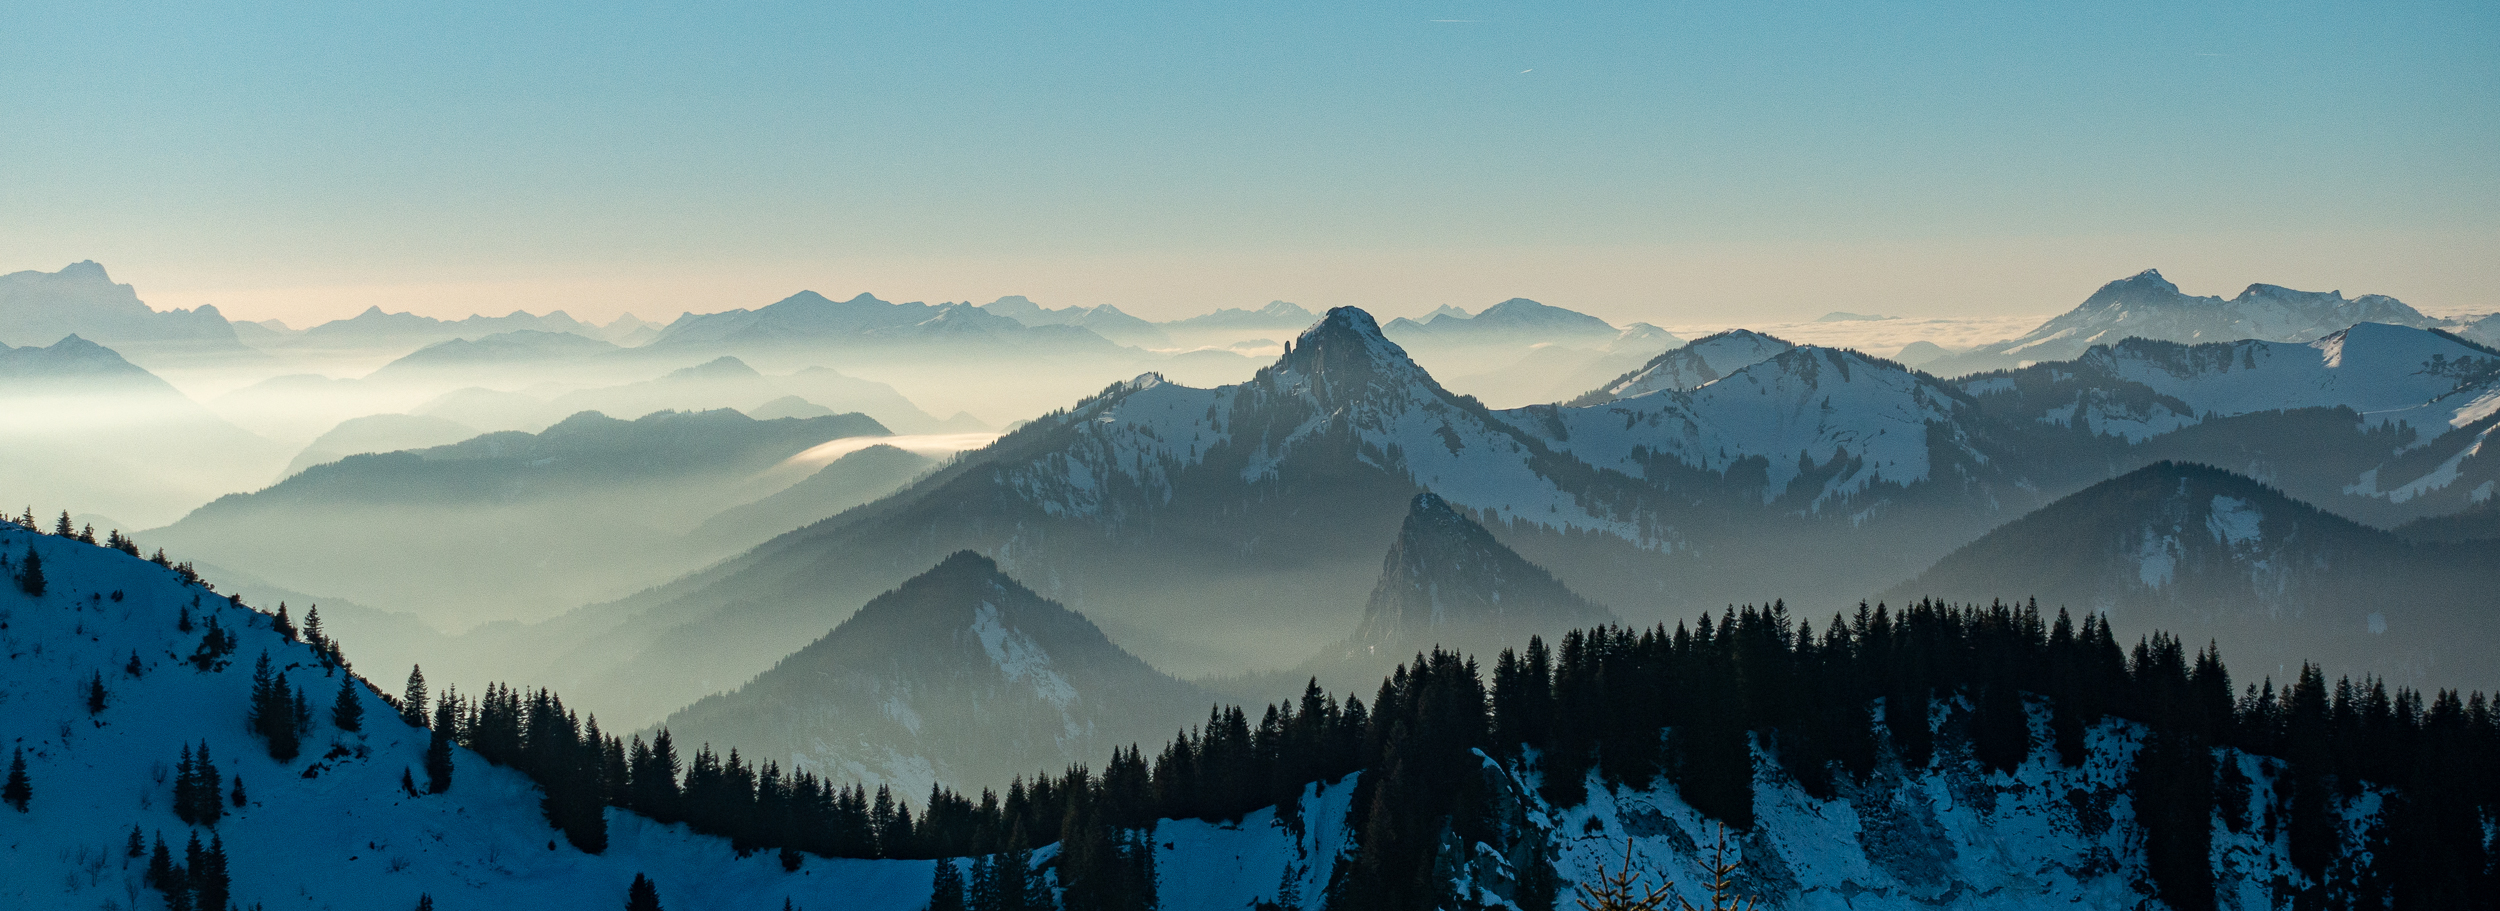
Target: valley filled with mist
[964,549]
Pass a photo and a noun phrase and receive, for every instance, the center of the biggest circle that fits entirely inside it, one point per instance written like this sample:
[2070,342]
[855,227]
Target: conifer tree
[302,710]
[18,790]
[239,798]
[160,865]
[95,694]
[63,528]
[134,668]
[425,902]
[438,762]
[284,626]
[30,574]
[138,846]
[347,713]
[642,895]
[273,712]
[412,701]
[946,887]
[86,534]
[313,636]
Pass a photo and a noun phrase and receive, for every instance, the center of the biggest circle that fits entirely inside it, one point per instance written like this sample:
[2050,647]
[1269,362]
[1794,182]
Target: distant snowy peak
[1840,419]
[40,308]
[1276,315]
[2146,305]
[1515,320]
[1696,364]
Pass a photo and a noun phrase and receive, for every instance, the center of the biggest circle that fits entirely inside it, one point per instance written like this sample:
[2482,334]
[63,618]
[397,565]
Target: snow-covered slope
[1954,836]
[2423,377]
[2149,306]
[1697,363]
[961,676]
[331,829]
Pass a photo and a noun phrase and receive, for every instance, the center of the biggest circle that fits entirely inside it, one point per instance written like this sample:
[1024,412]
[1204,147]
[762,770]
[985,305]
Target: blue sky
[1662,161]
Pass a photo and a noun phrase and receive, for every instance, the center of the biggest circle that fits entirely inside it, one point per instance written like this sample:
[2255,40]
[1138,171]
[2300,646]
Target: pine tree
[239,799]
[86,534]
[284,626]
[313,636]
[18,790]
[138,846]
[642,895]
[63,528]
[301,709]
[946,887]
[95,694]
[412,701]
[272,713]
[438,762]
[347,713]
[30,574]
[160,865]
[425,902]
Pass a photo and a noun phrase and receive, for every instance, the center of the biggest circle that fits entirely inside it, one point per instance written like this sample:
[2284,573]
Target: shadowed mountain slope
[959,676]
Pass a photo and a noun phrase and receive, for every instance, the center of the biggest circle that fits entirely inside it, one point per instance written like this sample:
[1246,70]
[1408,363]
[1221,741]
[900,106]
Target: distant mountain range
[2148,306]
[1813,474]
[959,676]
[40,308]
[506,525]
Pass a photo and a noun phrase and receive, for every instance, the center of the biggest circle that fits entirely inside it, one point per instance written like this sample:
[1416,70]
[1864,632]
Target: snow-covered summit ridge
[1801,404]
[1691,366]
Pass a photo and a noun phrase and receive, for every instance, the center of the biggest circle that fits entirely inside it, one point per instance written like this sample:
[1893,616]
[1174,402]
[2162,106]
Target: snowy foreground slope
[333,829]
[1953,837]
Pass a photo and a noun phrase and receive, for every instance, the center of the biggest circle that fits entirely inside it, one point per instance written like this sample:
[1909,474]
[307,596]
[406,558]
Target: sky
[1662,161]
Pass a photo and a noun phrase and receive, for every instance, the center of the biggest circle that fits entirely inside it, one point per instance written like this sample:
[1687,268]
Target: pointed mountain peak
[1346,342]
[85,270]
[1447,581]
[1285,309]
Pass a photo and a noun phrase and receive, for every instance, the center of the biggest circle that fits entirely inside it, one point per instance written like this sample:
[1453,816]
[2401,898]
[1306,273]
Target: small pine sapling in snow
[182,623]
[282,624]
[239,799]
[138,846]
[86,534]
[30,574]
[63,529]
[95,694]
[408,781]
[18,791]
[134,668]
[425,902]
[642,895]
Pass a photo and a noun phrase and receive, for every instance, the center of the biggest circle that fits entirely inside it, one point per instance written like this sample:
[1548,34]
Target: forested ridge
[1695,706]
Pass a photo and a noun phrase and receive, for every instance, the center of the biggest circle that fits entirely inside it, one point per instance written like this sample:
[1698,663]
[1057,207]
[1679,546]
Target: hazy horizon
[1667,165]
